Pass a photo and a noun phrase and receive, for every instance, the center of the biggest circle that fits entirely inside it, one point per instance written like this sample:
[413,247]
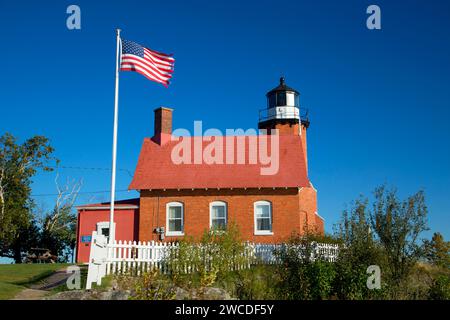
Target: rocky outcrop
[90,295]
[208,293]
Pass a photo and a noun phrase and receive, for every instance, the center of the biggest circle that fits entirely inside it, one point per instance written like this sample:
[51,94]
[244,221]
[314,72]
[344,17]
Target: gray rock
[68,295]
[208,293]
[212,293]
[181,294]
[90,295]
[115,295]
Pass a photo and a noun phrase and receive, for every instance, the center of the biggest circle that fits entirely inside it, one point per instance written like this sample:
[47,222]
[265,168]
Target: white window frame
[174,233]
[262,232]
[218,203]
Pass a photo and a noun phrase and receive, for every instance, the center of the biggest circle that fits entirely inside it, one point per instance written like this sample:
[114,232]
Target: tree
[18,164]
[437,251]
[58,232]
[359,250]
[398,225]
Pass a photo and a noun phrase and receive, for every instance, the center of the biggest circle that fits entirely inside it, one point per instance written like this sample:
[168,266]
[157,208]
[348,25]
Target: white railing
[138,257]
[279,112]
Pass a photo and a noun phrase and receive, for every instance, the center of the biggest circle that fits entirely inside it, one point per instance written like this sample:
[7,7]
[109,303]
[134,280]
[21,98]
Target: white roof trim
[320,216]
[224,188]
[107,207]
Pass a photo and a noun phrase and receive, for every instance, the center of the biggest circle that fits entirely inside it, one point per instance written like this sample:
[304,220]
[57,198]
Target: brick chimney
[163,125]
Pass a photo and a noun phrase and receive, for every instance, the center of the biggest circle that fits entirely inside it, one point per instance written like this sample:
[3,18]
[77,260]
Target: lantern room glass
[283,98]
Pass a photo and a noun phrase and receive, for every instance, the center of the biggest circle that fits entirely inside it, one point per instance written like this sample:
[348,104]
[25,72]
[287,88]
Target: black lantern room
[282,96]
[283,106]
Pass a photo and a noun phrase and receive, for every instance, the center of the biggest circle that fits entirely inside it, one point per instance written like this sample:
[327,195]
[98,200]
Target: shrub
[213,257]
[302,274]
[151,285]
[440,289]
[256,283]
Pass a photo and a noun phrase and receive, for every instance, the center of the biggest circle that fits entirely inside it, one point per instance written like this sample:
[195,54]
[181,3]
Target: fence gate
[97,259]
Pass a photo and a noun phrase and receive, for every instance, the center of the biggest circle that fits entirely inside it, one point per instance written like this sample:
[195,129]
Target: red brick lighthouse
[183,200]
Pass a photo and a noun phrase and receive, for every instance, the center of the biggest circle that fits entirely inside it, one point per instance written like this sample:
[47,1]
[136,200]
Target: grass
[9,291]
[106,283]
[16,277]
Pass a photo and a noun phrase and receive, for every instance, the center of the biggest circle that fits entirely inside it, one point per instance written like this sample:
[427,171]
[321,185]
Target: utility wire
[85,192]
[90,168]
[83,168]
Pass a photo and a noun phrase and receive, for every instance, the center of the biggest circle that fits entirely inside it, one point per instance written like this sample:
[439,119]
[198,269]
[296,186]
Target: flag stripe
[149,55]
[140,65]
[159,64]
[154,65]
[163,55]
[144,73]
[131,59]
[164,60]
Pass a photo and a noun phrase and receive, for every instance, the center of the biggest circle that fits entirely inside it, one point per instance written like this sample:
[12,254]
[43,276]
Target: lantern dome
[282,96]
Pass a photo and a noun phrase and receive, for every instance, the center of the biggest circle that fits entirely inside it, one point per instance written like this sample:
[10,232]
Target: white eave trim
[320,216]
[225,188]
[107,207]
[311,185]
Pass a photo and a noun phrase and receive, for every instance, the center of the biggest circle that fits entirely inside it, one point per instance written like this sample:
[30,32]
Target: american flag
[154,65]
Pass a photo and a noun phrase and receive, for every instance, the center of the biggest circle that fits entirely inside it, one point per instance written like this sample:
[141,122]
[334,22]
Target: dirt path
[31,294]
[54,280]
[42,288]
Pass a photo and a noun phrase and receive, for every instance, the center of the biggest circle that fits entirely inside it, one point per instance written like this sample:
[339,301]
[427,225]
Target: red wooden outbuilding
[95,217]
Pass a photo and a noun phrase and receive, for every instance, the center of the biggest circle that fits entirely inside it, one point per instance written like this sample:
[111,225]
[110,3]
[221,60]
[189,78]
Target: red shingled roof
[156,170]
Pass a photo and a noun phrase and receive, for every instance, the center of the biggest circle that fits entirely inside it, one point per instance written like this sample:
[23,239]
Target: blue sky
[378,100]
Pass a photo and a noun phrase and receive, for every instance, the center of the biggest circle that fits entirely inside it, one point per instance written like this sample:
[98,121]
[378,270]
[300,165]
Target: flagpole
[112,231]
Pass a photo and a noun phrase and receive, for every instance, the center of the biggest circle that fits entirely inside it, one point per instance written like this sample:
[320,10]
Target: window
[103,228]
[281,98]
[263,218]
[271,101]
[218,215]
[105,232]
[175,219]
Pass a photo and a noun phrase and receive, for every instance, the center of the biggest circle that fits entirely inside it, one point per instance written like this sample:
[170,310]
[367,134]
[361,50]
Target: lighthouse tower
[283,113]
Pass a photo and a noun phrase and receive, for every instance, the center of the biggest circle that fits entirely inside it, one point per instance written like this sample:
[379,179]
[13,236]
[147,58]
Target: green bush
[220,259]
[440,289]
[151,285]
[255,283]
[351,265]
[212,258]
[302,275]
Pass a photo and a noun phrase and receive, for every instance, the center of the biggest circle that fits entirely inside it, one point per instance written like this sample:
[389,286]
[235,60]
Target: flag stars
[130,47]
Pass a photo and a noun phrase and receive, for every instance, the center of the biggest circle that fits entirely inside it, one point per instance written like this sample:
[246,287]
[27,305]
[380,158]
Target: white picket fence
[137,257]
